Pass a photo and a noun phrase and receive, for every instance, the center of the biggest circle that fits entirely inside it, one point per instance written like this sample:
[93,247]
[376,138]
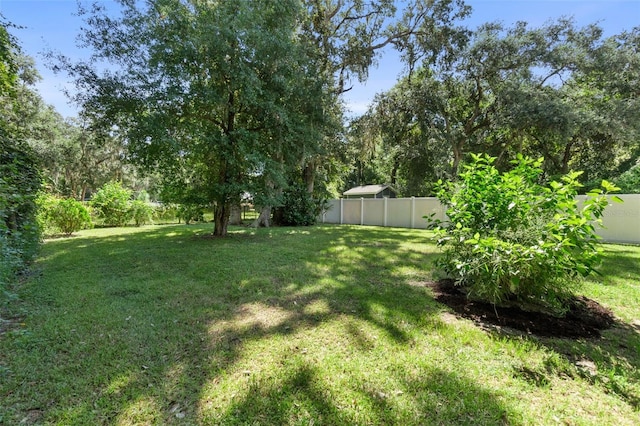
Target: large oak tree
[557,91]
[212,93]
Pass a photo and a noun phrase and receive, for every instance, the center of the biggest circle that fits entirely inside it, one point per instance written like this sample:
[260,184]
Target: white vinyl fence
[621,221]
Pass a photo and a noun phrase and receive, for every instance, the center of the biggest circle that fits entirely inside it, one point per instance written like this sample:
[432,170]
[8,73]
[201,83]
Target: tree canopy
[560,92]
[228,97]
[212,93]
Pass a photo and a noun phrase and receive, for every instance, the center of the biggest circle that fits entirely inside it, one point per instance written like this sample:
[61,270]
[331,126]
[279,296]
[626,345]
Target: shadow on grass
[441,398]
[143,326]
[611,361]
[621,263]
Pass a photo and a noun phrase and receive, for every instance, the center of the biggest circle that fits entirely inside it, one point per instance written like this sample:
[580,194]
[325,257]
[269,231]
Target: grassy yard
[324,325]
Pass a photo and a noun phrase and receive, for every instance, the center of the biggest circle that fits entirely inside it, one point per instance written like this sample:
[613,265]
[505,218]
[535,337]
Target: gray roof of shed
[366,190]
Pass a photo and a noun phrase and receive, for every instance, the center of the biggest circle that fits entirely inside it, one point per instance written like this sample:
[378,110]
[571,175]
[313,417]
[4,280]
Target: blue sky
[52,24]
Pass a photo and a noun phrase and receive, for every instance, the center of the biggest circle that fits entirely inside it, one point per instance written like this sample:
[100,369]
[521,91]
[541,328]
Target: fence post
[384,214]
[341,210]
[361,211]
[413,212]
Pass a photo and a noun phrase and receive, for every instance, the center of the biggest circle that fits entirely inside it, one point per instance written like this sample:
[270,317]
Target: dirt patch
[10,324]
[586,317]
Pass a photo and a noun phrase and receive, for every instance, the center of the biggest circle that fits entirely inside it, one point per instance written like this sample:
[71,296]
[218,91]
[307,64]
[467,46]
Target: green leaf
[609,187]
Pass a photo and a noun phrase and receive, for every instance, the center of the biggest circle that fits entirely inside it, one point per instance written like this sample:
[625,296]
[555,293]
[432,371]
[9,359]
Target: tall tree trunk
[221,219]
[236,214]
[309,175]
[264,219]
[394,172]
[566,157]
[222,210]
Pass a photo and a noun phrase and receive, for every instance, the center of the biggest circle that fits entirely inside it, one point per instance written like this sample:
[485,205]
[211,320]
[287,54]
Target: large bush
[64,215]
[629,181]
[510,238]
[112,204]
[165,213]
[45,203]
[298,209]
[191,213]
[141,212]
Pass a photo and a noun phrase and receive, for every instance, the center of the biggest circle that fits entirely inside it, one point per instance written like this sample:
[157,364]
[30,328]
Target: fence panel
[399,212]
[373,211]
[351,212]
[426,207]
[332,214]
[621,221]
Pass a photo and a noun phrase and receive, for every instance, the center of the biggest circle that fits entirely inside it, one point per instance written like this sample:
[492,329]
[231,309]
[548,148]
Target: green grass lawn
[322,325]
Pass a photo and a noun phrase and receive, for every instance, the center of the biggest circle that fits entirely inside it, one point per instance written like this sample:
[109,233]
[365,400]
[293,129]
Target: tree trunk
[263,219]
[309,175]
[566,157]
[221,219]
[457,159]
[394,172]
[236,214]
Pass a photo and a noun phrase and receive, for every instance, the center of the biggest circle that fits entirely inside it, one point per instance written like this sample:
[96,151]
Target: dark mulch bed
[586,318]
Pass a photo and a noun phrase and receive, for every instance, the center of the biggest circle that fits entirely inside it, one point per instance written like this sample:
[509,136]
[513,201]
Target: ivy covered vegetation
[19,177]
[19,235]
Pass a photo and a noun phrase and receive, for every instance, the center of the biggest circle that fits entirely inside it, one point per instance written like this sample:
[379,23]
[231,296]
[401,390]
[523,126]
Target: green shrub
[70,215]
[298,209]
[10,263]
[141,212]
[143,195]
[111,204]
[629,181]
[165,213]
[60,215]
[191,213]
[46,203]
[509,238]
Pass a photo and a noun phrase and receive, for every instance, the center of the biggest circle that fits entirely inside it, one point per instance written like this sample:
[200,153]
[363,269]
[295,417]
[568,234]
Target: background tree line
[227,98]
[562,93]
[201,102]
